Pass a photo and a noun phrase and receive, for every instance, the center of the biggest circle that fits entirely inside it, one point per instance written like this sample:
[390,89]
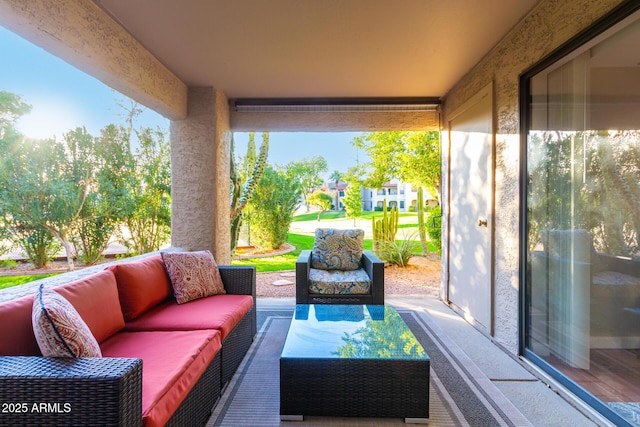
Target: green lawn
[9,281]
[286,261]
[408,222]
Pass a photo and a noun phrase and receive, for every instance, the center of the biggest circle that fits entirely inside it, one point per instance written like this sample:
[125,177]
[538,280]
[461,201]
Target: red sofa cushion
[141,285]
[172,362]
[16,332]
[95,297]
[221,312]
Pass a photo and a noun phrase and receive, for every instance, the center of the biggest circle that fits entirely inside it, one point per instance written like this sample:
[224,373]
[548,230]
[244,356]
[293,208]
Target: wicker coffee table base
[354,388]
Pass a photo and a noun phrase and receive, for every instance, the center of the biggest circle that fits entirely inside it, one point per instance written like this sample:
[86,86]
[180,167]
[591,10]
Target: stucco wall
[550,24]
[200,175]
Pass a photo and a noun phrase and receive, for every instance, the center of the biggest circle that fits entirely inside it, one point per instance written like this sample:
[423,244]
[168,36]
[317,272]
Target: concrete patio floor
[527,395]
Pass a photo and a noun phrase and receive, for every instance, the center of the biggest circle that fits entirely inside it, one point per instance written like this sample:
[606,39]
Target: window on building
[393,191]
[581,202]
[341,193]
[380,192]
[401,204]
[402,190]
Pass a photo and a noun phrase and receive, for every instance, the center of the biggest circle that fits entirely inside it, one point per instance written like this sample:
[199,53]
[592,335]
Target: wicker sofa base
[196,409]
[236,345]
[42,391]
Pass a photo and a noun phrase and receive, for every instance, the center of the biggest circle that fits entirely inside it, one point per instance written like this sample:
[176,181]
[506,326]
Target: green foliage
[80,189]
[380,339]
[243,183]
[336,176]
[352,200]
[307,173]
[384,229]
[274,202]
[12,107]
[43,184]
[421,227]
[398,252]
[433,224]
[8,263]
[147,215]
[586,180]
[321,200]
[40,246]
[111,201]
[412,157]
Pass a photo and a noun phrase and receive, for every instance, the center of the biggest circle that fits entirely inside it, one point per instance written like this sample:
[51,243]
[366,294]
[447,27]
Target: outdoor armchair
[339,271]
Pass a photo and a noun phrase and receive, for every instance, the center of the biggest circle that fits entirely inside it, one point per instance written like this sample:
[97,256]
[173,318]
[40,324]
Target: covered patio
[215,67]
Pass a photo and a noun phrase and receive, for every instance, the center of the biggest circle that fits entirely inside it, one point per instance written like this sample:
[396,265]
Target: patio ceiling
[319,48]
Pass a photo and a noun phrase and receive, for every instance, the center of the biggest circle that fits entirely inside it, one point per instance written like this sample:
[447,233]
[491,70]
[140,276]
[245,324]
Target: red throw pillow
[193,275]
[59,329]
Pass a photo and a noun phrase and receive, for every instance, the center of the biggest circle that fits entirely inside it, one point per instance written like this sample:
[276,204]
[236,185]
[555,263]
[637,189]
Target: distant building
[400,194]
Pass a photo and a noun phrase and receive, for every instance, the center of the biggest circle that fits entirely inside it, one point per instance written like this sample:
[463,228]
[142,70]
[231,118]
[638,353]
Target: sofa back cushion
[142,285]
[16,332]
[95,298]
[337,249]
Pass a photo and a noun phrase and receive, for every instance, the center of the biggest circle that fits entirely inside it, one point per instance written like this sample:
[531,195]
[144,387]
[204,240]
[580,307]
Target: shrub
[8,263]
[274,201]
[398,252]
[41,247]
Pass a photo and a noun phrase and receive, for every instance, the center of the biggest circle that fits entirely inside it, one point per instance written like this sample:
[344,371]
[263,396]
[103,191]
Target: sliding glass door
[582,219]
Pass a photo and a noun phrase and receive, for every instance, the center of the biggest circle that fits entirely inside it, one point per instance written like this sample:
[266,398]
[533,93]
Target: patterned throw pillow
[193,275]
[59,329]
[337,249]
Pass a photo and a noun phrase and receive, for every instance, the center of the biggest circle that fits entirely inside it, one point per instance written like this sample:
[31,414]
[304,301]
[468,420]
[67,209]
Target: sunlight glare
[48,119]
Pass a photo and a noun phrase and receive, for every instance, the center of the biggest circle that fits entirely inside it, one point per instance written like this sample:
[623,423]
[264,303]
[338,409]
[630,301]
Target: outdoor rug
[457,398]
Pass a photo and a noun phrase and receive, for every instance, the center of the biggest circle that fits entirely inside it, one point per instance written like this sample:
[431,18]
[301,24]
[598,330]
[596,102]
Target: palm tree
[336,177]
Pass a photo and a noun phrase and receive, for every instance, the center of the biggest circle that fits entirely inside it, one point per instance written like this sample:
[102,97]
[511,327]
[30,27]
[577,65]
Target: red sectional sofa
[163,363]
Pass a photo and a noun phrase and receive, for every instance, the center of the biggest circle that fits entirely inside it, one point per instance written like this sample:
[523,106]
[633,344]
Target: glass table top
[352,332]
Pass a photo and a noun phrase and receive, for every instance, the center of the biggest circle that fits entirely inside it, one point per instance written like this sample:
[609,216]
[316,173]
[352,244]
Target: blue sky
[63,98]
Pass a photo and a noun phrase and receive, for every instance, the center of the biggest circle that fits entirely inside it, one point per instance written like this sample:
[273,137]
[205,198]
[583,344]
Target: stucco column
[200,175]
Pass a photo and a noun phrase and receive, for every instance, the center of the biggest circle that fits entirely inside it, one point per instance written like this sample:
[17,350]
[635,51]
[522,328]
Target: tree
[147,214]
[321,200]
[242,188]
[12,107]
[352,200]
[412,157]
[336,177]
[274,202]
[307,173]
[44,184]
[110,201]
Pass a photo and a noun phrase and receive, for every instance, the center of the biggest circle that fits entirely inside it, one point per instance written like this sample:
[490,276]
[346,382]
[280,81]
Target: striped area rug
[457,398]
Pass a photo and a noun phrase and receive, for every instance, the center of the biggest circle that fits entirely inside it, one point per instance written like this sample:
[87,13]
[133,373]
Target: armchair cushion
[353,282]
[337,249]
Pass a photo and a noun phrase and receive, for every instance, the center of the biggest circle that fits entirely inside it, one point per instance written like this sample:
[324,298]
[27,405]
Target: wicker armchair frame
[370,262]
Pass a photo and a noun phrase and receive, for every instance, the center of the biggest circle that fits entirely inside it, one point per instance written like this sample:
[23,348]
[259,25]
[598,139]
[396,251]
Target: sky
[63,98]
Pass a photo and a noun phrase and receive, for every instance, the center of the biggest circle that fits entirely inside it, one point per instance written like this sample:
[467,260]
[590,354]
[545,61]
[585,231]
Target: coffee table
[353,361]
